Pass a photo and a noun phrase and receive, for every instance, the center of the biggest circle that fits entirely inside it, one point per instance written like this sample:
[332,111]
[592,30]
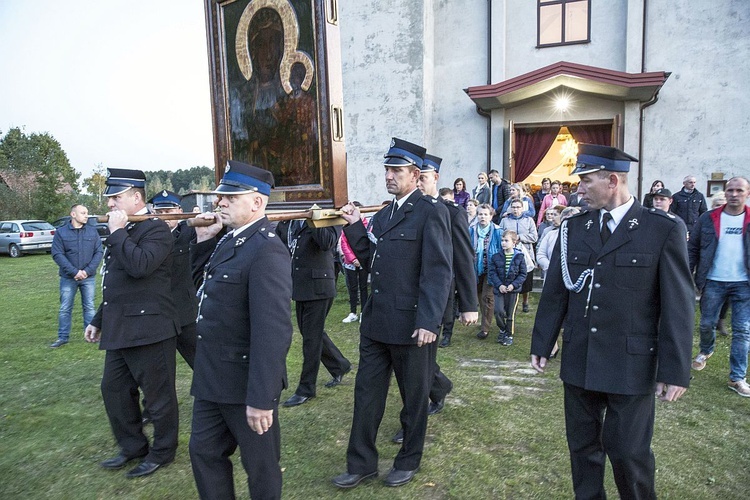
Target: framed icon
[714,186]
[275,69]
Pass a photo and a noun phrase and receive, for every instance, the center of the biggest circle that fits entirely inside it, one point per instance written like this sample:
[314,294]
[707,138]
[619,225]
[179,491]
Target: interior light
[562,103]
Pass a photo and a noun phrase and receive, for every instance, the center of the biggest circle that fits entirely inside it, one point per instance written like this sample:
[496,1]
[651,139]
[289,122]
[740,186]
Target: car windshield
[37,225]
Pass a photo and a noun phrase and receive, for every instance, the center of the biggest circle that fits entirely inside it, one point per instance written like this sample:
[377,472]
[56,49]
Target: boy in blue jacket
[506,275]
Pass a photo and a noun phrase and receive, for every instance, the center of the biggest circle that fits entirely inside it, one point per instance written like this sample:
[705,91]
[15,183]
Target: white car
[22,236]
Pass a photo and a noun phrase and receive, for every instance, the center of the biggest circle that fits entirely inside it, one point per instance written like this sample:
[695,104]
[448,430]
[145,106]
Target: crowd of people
[221,295]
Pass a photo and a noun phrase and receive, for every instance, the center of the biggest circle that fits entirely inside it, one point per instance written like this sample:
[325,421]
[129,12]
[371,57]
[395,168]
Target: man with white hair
[688,202]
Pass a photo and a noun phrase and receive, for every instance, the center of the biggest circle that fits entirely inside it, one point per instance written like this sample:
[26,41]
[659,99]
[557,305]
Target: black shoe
[399,477]
[143,469]
[436,407]
[296,400]
[58,343]
[525,308]
[500,337]
[446,342]
[117,462]
[482,335]
[347,480]
[338,378]
[398,438]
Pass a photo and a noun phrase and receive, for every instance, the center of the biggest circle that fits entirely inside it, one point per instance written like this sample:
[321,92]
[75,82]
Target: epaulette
[668,215]
[266,232]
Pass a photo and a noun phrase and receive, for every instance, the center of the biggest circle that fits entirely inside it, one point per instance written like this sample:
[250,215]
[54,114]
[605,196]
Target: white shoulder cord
[579,284]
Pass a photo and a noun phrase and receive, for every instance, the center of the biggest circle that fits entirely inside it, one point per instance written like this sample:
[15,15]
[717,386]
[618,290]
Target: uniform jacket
[638,327]
[137,306]
[74,250]
[313,276]
[411,268]
[689,206]
[704,238]
[183,288]
[463,258]
[515,275]
[244,326]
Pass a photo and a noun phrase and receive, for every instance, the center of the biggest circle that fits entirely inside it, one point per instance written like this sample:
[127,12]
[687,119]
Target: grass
[501,435]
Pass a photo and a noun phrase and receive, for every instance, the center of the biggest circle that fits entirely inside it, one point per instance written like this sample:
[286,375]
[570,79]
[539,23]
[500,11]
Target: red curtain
[592,134]
[532,145]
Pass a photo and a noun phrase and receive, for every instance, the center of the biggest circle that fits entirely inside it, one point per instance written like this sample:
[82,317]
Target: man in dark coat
[688,203]
[244,332]
[408,250]
[619,285]
[183,287]
[313,290]
[137,325]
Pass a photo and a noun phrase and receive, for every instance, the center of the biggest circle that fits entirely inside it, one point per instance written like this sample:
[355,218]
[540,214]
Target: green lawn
[501,434]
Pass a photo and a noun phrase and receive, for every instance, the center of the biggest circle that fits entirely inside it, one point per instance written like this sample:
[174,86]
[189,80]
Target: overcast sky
[121,83]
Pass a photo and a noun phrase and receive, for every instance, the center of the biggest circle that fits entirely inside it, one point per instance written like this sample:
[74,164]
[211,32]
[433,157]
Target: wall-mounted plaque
[276,94]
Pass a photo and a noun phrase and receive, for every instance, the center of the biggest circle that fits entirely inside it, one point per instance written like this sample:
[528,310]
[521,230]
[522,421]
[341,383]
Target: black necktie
[606,233]
[394,207]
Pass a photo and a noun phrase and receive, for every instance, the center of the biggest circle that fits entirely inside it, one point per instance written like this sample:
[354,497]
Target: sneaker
[351,318]
[500,337]
[507,341]
[699,362]
[58,343]
[740,387]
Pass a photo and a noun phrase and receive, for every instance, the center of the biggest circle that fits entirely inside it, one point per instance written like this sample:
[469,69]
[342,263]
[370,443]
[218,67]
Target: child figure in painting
[506,275]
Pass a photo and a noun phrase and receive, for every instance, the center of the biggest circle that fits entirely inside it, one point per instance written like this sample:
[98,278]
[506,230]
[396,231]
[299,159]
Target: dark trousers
[620,426]
[505,311]
[217,431]
[152,368]
[316,345]
[441,385]
[377,361]
[356,284]
[186,343]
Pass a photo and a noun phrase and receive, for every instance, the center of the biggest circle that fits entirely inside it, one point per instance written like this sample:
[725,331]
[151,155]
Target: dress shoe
[143,469]
[338,378]
[482,335]
[59,343]
[399,477]
[398,438]
[446,342]
[117,462]
[347,480]
[436,407]
[296,400]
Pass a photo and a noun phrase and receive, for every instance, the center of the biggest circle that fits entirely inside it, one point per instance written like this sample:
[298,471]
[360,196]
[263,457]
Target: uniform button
[296,258]
[593,330]
[208,277]
[377,256]
[401,234]
[204,295]
[296,268]
[595,308]
[105,303]
[634,261]
[200,316]
[244,356]
[142,311]
[106,272]
[597,285]
[381,239]
[104,288]
[225,276]
[598,263]
[651,349]
[263,229]
[377,273]
[415,306]
[376,291]
[200,337]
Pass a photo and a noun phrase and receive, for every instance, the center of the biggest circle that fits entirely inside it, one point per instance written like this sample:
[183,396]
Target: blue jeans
[68,289]
[713,296]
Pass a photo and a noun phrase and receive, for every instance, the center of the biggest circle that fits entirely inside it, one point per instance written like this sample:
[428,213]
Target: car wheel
[14,251]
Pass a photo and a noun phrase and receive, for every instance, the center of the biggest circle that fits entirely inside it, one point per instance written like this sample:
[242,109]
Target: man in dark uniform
[244,333]
[409,254]
[627,335]
[464,280]
[313,290]
[183,287]
[137,325]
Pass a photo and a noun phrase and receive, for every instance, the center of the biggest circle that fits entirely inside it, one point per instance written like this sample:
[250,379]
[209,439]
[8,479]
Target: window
[562,22]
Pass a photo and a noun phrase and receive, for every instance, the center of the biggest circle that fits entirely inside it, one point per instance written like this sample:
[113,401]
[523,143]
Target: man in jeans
[77,250]
[719,251]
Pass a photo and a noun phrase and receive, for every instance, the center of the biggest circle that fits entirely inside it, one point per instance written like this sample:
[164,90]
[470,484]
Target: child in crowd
[506,275]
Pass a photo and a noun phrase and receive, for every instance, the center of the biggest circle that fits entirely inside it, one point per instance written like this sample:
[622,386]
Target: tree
[37,169]
[95,185]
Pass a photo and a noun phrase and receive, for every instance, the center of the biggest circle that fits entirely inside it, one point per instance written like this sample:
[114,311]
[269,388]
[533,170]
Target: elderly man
[619,284]
[244,333]
[410,256]
[688,202]
[137,324]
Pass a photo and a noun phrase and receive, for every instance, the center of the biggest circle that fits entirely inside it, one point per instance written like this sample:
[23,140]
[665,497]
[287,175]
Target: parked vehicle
[23,236]
[101,227]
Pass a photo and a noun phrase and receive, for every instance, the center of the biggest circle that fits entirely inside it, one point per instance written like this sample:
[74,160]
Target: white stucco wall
[701,123]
